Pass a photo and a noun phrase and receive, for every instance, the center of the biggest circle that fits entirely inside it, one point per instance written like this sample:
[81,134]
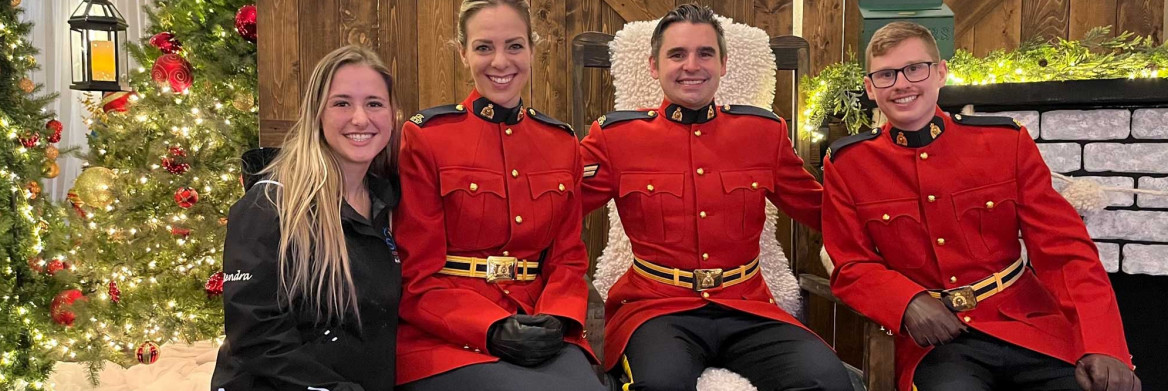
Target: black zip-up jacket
[273,347]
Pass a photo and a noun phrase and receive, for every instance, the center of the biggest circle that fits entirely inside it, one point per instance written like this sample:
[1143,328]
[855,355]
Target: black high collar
[683,115]
[492,112]
[920,137]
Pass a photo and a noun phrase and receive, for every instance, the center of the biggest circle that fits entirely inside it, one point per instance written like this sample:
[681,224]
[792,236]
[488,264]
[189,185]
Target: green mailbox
[939,21]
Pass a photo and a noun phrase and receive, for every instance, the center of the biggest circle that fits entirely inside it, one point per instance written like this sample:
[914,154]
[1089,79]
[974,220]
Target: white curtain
[50,34]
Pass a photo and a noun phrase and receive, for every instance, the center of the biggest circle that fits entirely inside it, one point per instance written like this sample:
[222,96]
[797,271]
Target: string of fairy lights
[836,91]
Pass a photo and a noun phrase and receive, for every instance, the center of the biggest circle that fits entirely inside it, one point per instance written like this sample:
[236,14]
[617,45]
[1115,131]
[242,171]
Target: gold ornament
[95,186]
[27,85]
[52,170]
[52,152]
[34,189]
[15,3]
[243,101]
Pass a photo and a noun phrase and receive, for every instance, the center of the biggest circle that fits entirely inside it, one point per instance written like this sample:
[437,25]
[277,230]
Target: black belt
[965,298]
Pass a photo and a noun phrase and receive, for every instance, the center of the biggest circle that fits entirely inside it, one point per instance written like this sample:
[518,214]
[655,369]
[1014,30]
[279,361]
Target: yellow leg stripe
[628,372]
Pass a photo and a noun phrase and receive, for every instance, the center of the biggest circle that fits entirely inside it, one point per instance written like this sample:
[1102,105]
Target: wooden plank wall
[414,38]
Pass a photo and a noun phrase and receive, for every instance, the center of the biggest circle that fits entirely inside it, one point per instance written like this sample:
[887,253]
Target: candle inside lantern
[103,62]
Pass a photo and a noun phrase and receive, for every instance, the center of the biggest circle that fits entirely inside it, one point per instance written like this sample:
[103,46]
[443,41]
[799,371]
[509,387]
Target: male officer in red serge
[690,179]
[921,218]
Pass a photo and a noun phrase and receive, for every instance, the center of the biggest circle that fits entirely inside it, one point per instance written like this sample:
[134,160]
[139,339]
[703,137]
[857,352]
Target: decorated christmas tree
[28,220]
[162,170]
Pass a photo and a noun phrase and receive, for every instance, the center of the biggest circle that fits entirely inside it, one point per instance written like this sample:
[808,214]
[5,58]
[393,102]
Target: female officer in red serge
[494,292]
[930,249]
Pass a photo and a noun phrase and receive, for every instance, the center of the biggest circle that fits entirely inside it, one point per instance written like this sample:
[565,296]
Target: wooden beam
[634,10]
[823,29]
[319,34]
[999,29]
[742,11]
[1045,19]
[967,13]
[359,23]
[398,45]
[853,21]
[549,84]
[279,65]
[1143,17]
[436,59]
[1088,14]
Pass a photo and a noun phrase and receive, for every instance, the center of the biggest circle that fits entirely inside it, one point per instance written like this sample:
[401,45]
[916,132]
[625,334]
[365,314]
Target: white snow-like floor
[180,367]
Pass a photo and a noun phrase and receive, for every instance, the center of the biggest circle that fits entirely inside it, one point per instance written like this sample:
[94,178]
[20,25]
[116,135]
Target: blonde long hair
[314,260]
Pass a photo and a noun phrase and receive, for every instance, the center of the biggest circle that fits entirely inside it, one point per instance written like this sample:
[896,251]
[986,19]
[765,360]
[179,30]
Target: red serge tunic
[900,220]
[691,187]
[480,180]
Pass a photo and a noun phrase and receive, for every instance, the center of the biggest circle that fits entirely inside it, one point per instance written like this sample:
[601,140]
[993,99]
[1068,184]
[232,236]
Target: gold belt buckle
[707,279]
[960,299]
[502,269]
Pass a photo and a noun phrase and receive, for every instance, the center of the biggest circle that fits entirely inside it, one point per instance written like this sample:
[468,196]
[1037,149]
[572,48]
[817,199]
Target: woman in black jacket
[313,276]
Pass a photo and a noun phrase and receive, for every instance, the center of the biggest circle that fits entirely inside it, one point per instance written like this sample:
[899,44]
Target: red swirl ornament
[174,71]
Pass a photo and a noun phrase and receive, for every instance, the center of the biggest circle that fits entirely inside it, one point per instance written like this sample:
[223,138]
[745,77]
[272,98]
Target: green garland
[833,92]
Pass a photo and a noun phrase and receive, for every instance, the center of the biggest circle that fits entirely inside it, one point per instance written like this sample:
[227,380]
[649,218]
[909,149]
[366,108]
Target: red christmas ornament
[184,232]
[55,266]
[214,285]
[172,163]
[245,22]
[166,42]
[55,129]
[174,71]
[174,166]
[186,197]
[118,101]
[30,141]
[59,309]
[148,352]
[115,294]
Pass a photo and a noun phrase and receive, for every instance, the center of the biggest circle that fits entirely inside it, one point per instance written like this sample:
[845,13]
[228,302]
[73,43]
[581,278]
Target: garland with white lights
[835,92]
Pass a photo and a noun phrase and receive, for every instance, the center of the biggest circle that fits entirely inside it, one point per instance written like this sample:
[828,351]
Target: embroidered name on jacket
[237,276]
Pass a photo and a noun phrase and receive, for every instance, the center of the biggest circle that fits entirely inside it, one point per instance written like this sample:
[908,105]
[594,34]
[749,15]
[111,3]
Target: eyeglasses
[885,78]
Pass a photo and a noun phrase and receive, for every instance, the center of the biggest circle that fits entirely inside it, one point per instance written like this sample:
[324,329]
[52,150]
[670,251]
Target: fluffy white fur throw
[750,79]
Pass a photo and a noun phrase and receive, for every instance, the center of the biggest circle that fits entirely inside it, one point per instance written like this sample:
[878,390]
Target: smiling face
[498,53]
[689,65]
[358,119]
[908,105]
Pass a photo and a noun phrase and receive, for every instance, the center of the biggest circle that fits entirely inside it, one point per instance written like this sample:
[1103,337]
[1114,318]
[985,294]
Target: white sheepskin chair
[749,80]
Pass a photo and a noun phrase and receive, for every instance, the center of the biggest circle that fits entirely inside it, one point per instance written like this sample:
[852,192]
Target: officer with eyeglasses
[930,250]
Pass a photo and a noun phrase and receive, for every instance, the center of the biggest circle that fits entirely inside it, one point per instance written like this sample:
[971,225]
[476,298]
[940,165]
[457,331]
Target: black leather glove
[526,340]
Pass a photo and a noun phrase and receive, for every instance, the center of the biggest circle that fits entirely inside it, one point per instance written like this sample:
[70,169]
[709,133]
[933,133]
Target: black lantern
[97,32]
